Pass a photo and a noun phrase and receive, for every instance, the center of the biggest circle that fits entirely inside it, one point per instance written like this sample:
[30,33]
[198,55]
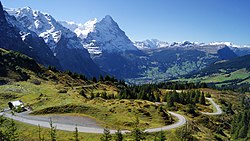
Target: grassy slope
[241,76]
[201,130]
[31,133]
[225,72]
[46,95]
[58,89]
[203,127]
[47,91]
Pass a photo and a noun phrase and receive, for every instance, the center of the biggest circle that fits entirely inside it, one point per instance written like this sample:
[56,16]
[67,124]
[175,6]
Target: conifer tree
[52,131]
[76,135]
[202,99]
[13,136]
[243,131]
[197,97]
[162,136]
[101,78]
[106,135]
[137,133]
[118,135]
[170,100]
[94,80]
[229,109]
[107,78]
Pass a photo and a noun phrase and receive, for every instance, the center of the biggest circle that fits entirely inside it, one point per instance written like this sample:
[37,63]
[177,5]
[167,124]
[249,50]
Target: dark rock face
[76,59]
[2,17]
[120,65]
[226,53]
[10,38]
[43,53]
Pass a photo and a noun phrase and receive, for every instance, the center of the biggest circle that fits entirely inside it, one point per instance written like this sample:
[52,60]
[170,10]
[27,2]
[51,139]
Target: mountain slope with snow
[18,38]
[151,44]
[157,44]
[104,35]
[81,30]
[44,25]
[65,44]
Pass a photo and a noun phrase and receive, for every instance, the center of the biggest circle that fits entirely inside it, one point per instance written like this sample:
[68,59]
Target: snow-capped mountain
[108,36]
[44,25]
[64,43]
[229,44]
[184,44]
[18,38]
[109,46]
[10,38]
[104,35]
[151,44]
[81,30]
[156,44]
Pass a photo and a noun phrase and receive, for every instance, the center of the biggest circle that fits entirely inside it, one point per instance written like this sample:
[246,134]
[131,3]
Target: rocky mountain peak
[2,16]
[107,36]
[108,19]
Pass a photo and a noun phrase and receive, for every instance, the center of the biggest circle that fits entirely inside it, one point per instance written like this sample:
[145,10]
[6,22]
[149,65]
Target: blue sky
[167,20]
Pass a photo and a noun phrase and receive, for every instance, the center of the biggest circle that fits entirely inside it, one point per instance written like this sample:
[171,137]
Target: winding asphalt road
[71,127]
[217,107]
[181,121]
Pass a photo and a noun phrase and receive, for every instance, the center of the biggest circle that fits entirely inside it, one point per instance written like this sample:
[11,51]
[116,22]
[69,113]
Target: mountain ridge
[103,35]
[64,44]
[13,39]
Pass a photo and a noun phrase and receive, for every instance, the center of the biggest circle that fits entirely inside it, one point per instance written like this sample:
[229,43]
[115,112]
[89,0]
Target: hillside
[48,91]
[107,101]
[228,66]
[14,65]
[229,74]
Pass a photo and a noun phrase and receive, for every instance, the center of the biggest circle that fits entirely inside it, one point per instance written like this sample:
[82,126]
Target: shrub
[63,91]
[35,81]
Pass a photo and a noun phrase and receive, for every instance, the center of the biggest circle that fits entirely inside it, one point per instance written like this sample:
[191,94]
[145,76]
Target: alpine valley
[101,47]
[62,80]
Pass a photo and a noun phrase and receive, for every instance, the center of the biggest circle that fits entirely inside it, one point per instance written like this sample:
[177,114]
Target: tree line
[240,126]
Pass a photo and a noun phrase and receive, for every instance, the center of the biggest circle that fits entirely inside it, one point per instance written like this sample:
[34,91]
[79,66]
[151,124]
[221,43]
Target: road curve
[217,107]
[59,126]
[69,127]
[181,121]
[66,127]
